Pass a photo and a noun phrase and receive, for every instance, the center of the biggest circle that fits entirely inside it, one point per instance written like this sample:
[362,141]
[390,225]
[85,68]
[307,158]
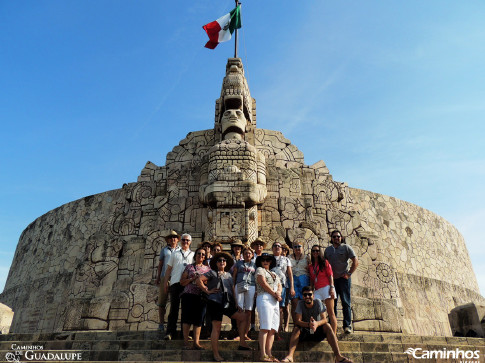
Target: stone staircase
[148,346]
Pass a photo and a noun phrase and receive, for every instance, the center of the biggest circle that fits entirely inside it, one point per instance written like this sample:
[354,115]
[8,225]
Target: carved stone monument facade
[91,263]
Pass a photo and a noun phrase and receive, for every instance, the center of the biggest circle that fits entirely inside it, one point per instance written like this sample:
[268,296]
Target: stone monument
[90,264]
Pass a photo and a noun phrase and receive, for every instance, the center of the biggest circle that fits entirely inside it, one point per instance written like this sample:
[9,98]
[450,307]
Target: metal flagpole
[235,36]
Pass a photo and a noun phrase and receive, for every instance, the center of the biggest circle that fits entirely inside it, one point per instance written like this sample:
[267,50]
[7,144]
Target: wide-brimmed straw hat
[227,256]
[258,240]
[201,244]
[236,243]
[172,233]
[266,255]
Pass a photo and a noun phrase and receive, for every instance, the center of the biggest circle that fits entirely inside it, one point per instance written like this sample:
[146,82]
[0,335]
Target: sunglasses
[296,246]
[307,294]
[185,240]
[336,236]
[315,251]
[221,260]
[266,260]
[277,246]
[200,254]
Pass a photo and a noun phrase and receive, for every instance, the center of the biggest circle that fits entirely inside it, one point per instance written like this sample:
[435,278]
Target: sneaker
[168,337]
[161,328]
[348,330]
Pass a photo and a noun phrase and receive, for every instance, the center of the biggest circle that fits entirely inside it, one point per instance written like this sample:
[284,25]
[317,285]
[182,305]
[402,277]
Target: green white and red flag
[221,29]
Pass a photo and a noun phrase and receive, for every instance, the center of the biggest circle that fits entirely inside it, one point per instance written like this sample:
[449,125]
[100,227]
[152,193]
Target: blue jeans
[342,288]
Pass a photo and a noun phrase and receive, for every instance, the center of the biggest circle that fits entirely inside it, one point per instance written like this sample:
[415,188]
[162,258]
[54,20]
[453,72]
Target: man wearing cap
[176,266]
[172,240]
[338,255]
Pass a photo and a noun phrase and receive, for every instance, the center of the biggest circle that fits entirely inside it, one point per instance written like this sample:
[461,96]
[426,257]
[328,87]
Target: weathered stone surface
[90,264]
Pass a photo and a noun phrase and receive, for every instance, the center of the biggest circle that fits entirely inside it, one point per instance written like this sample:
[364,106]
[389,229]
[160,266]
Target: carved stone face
[233,121]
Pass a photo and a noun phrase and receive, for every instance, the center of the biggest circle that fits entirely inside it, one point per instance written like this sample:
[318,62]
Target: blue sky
[389,94]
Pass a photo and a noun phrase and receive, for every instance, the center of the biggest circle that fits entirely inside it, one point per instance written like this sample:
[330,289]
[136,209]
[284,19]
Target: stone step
[113,345]
[149,346]
[197,356]
[153,335]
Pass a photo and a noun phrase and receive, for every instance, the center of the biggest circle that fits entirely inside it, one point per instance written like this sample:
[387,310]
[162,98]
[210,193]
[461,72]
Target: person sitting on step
[311,325]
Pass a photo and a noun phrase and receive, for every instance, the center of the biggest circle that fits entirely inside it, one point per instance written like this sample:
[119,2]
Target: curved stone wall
[90,264]
[414,257]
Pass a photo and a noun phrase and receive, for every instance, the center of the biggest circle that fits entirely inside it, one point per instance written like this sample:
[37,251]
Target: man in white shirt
[176,266]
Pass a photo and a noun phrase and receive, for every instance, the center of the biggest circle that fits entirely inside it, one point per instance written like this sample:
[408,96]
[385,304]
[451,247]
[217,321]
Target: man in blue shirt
[172,240]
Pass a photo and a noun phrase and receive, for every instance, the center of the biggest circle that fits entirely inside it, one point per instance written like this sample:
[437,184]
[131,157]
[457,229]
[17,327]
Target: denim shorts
[300,282]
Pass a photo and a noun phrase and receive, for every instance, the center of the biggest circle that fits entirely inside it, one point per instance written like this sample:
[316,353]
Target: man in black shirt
[311,325]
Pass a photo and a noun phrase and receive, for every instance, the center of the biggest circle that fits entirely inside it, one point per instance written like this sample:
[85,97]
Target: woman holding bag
[244,284]
[218,285]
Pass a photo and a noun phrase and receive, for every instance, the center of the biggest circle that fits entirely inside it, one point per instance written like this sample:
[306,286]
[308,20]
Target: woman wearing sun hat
[268,287]
[218,285]
[258,246]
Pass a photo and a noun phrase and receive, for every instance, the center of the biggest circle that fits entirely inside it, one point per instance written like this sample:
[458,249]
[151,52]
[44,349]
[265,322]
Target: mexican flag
[221,29]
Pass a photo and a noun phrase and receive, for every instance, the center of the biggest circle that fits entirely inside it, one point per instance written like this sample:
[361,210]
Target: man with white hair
[176,266]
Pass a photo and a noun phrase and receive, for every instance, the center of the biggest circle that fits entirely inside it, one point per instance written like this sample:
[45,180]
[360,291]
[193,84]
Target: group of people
[211,283]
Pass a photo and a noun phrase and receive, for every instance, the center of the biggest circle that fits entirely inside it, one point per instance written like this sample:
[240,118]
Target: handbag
[227,299]
[242,287]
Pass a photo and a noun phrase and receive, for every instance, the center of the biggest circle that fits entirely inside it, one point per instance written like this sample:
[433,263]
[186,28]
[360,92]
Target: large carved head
[235,91]
[233,120]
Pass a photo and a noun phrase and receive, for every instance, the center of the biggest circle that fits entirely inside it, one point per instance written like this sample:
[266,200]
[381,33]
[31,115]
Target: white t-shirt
[178,261]
[281,269]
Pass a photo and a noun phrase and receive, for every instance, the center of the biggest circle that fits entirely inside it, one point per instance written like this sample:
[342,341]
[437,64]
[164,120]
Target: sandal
[273,358]
[265,358]
[344,360]
[287,360]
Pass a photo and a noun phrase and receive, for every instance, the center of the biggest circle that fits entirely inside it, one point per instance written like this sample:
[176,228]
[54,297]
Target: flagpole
[235,37]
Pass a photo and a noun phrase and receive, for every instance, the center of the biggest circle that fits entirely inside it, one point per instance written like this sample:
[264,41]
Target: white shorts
[323,293]
[245,300]
[268,312]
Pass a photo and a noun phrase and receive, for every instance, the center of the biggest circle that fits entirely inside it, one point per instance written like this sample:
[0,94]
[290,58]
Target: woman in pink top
[321,277]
